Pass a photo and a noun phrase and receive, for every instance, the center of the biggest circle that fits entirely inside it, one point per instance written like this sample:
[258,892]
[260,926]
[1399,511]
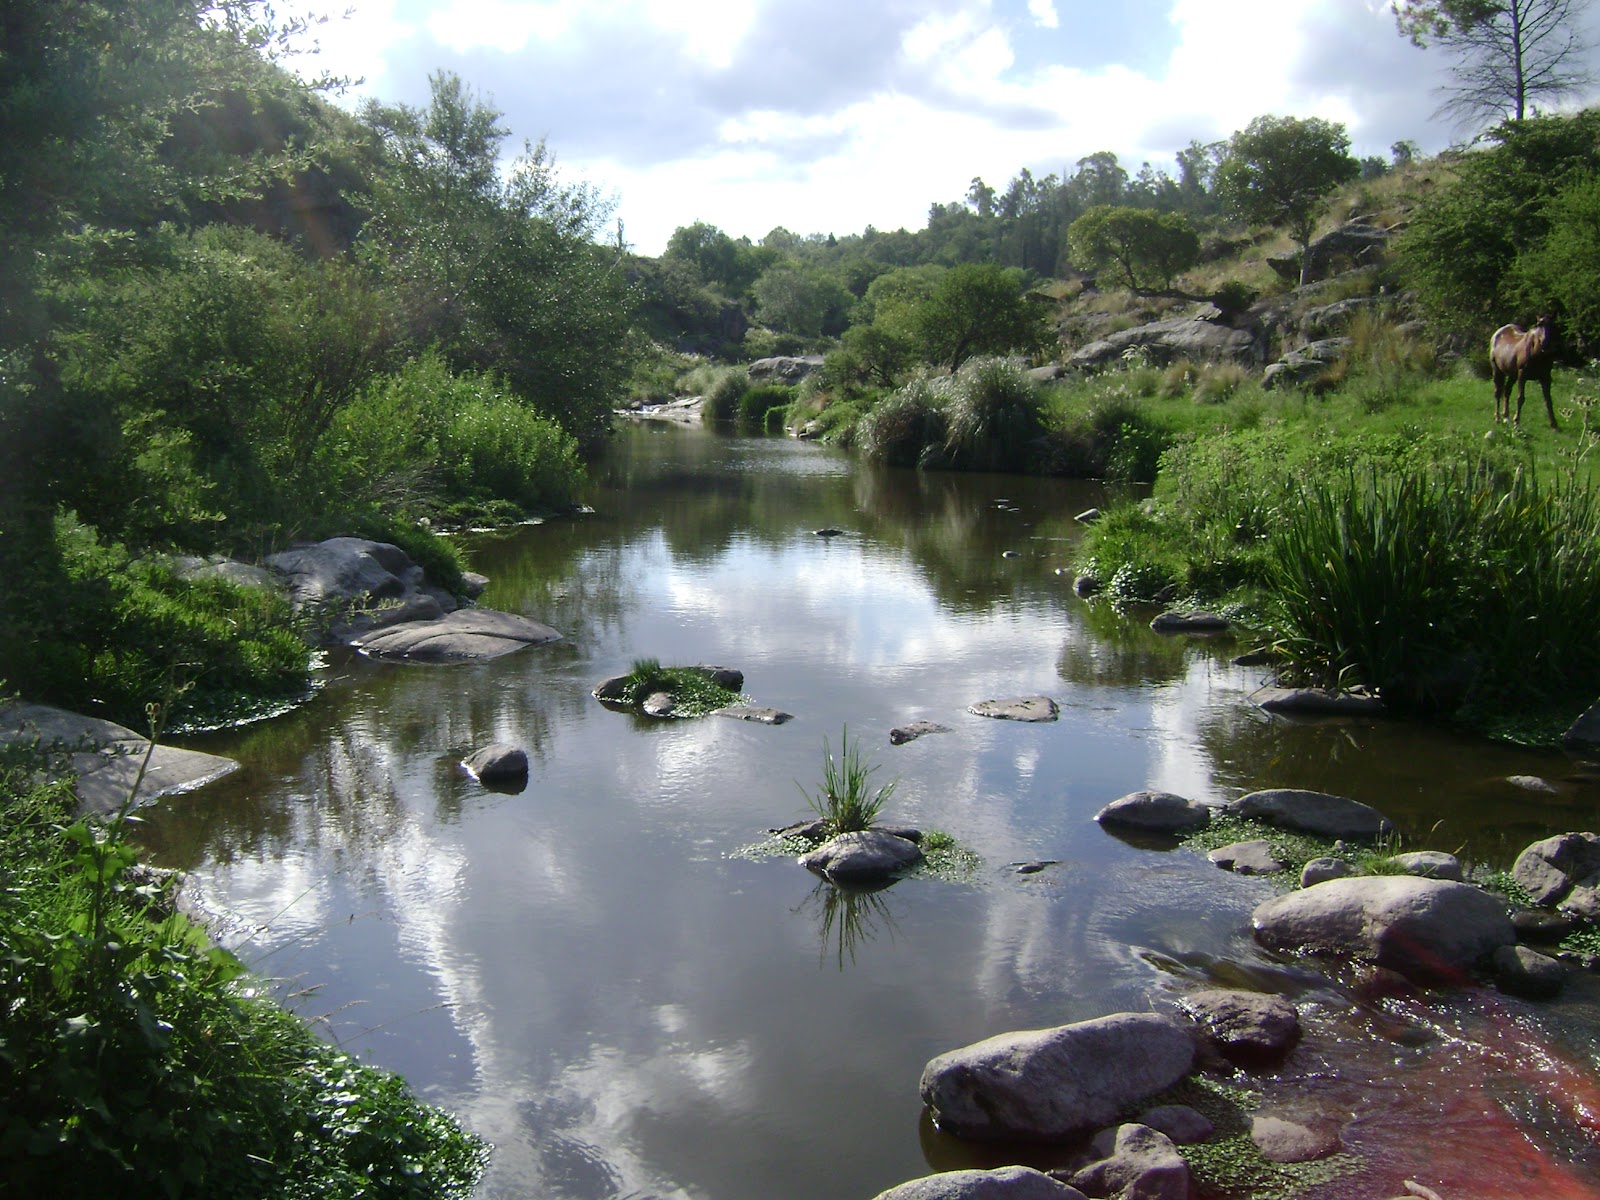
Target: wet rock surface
[1155,812]
[865,857]
[1024,708]
[1318,813]
[1003,1183]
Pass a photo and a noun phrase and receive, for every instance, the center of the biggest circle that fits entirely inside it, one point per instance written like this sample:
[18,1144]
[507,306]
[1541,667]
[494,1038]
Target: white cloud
[1044,12]
[504,25]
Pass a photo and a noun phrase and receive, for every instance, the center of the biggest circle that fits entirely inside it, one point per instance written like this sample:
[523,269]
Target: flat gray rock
[1025,708]
[1318,702]
[1155,812]
[1431,930]
[1005,1183]
[1247,858]
[749,712]
[1312,812]
[469,635]
[1184,1125]
[1047,1084]
[868,856]
[105,757]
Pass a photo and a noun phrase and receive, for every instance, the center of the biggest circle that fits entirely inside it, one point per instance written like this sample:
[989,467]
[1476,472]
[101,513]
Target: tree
[1145,250]
[978,308]
[1509,53]
[1279,171]
[793,299]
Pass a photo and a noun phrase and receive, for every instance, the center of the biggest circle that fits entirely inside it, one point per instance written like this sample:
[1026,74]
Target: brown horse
[1516,356]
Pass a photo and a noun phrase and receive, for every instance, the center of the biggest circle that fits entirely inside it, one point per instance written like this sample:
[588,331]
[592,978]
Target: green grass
[846,799]
[135,1059]
[693,692]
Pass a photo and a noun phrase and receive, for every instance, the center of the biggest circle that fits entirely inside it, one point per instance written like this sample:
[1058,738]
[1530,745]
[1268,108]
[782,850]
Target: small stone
[1247,858]
[498,762]
[1531,783]
[761,716]
[1086,585]
[1283,1141]
[830,533]
[1320,870]
[1245,1024]
[659,704]
[1174,621]
[1184,1125]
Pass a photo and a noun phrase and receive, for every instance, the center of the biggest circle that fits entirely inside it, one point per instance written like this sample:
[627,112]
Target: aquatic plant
[846,800]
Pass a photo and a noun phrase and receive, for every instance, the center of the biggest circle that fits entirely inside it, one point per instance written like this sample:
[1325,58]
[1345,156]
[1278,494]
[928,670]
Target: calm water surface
[596,979]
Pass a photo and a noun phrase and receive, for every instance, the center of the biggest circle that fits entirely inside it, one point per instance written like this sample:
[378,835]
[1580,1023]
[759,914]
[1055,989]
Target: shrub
[722,392]
[993,417]
[905,428]
[493,447]
[758,405]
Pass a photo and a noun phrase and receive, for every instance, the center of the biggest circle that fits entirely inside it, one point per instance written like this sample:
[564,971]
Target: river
[597,979]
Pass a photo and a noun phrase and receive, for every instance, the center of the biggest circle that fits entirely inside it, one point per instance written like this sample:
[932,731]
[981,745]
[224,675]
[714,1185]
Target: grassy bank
[135,1060]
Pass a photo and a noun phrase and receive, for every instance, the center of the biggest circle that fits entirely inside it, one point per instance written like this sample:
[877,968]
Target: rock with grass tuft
[867,856]
[1317,813]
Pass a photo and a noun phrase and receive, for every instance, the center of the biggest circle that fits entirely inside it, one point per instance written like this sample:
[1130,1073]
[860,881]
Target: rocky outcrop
[1172,339]
[1317,813]
[354,585]
[868,856]
[1303,367]
[786,369]
[104,759]
[1003,1183]
[1047,1084]
[1354,244]
[1429,930]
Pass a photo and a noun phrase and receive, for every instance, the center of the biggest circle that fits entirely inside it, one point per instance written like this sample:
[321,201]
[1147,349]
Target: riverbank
[138,1057]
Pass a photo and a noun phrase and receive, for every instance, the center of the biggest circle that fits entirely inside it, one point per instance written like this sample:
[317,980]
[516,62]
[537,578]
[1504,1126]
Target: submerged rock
[1282,1141]
[1174,621]
[1047,1084]
[1244,1025]
[1315,701]
[902,734]
[749,712]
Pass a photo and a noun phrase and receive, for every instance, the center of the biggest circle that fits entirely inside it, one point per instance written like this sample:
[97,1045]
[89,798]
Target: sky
[829,116]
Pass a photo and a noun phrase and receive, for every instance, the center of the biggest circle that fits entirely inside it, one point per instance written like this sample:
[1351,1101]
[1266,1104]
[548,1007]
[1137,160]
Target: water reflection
[847,917]
[585,972]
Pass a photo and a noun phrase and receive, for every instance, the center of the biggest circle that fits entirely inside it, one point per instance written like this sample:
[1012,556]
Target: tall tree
[1143,249]
[978,308]
[1279,171]
[1510,54]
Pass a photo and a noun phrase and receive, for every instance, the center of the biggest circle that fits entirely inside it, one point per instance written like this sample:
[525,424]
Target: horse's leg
[1499,382]
[1549,409]
[1522,388]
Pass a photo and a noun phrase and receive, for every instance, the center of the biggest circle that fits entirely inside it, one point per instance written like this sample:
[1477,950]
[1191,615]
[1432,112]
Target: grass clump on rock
[846,801]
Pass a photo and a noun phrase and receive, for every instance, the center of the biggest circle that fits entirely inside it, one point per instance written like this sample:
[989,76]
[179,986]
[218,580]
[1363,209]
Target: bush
[759,406]
[109,633]
[723,389]
[845,801]
[907,429]
[492,447]
[994,417]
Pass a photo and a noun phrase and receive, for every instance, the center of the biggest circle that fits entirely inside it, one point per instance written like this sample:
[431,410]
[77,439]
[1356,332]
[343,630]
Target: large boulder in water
[1551,869]
[1046,1084]
[1155,812]
[1430,930]
[469,635]
[866,857]
[1316,813]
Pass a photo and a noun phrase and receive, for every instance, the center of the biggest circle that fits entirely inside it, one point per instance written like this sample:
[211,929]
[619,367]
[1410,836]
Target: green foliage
[692,690]
[133,1062]
[494,447]
[109,632]
[1279,171]
[1143,250]
[978,308]
[846,801]
[760,406]
[728,264]
[502,273]
[723,388]
[907,429]
[993,417]
[1428,586]
[1463,247]
[1557,276]
[799,300]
